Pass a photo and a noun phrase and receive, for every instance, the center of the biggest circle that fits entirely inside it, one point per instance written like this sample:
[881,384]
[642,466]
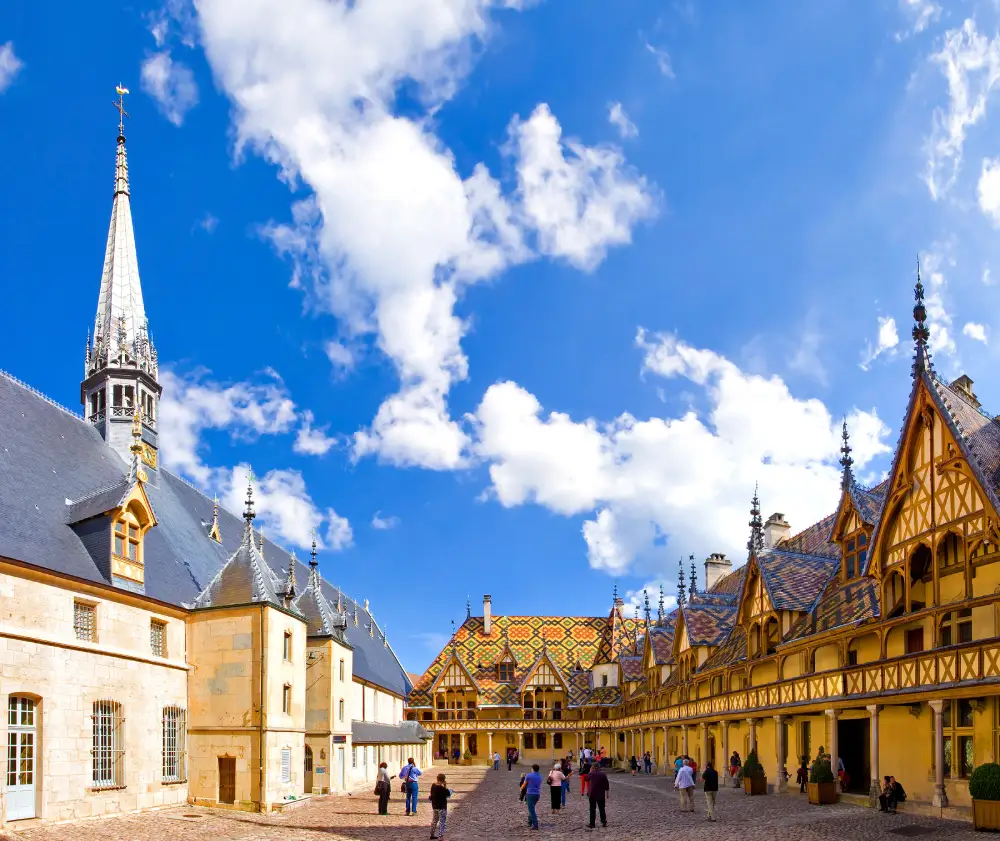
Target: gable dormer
[757,614]
[506,663]
[852,534]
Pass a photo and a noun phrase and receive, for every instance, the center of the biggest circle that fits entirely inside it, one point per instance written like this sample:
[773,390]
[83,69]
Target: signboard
[339,740]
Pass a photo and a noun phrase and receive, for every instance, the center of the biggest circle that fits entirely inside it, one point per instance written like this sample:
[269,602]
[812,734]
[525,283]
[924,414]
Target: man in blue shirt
[532,787]
[408,775]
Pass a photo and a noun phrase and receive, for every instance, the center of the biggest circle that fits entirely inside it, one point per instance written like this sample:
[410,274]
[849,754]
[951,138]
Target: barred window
[354,757]
[158,638]
[174,737]
[84,621]
[286,765]
[108,749]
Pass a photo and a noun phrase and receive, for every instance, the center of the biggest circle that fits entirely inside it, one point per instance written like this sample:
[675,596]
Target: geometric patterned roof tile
[841,604]
[814,540]
[708,624]
[795,581]
[631,667]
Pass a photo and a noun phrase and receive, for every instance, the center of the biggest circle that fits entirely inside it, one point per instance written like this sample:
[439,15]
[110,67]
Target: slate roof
[814,540]
[731,584]
[708,624]
[48,455]
[403,733]
[794,581]
[841,604]
[868,501]
[243,579]
[569,640]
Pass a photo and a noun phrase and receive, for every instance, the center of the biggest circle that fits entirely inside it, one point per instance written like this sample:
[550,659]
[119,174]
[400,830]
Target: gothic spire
[659,613]
[289,590]
[693,584]
[248,512]
[645,598]
[845,460]
[921,333]
[468,607]
[680,582]
[756,542]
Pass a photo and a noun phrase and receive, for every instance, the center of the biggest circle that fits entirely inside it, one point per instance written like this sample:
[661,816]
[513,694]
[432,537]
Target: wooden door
[227,779]
[308,771]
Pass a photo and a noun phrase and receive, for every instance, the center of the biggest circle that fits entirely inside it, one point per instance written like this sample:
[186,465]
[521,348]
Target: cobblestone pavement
[485,806]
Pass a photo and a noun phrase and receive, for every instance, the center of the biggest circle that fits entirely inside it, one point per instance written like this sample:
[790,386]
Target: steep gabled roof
[793,580]
[243,579]
[455,659]
[661,640]
[733,650]
[603,696]
[840,604]
[708,624]
[631,667]
[543,657]
[814,540]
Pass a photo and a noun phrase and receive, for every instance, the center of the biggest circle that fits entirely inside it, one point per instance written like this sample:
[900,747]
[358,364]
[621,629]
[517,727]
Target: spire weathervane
[120,105]
[756,542]
[845,460]
[645,598]
[312,554]
[248,513]
[921,333]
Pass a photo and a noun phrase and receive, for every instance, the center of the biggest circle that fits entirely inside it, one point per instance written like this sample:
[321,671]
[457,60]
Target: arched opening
[893,594]
[764,673]
[951,565]
[864,649]
[828,657]
[771,636]
[753,639]
[920,570]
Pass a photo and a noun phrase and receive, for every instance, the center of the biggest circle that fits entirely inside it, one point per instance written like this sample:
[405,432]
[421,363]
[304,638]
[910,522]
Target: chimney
[487,614]
[776,529]
[963,386]
[717,565]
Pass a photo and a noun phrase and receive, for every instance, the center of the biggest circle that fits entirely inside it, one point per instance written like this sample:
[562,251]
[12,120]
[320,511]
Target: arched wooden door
[308,771]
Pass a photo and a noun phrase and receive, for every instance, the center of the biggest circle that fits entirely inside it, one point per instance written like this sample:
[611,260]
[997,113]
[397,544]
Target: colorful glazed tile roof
[579,688]
[708,624]
[794,581]
[978,434]
[731,584]
[814,540]
[868,501]
[732,651]
[841,604]
[661,640]
[617,634]
[603,696]
[631,667]
[569,640]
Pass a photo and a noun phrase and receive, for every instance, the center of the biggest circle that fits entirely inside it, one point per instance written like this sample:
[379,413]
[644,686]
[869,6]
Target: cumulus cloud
[314,87]
[970,62]
[619,119]
[989,190]
[636,599]
[340,355]
[975,331]
[658,487]
[310,441]
[10,65]
[338,531]
[171,84]
[380,523]
[886,342]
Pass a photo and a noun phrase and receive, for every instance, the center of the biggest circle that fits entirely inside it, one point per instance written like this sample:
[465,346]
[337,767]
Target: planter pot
[986,814]
[821,793]
[755,785]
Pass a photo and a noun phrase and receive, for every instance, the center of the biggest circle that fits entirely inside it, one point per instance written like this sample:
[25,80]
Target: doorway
[21,758]
[227,779]
[852,743]
[307,771]
[341,769]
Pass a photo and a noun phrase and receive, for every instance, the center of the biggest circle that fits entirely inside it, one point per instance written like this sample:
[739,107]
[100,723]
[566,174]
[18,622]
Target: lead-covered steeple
[121,368]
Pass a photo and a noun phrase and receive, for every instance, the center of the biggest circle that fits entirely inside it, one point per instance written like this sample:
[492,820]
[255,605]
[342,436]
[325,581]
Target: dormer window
[128,536]
[505,672]
[855,554]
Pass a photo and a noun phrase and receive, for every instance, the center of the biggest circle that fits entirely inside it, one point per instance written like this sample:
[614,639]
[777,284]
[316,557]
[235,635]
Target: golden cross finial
[120,105]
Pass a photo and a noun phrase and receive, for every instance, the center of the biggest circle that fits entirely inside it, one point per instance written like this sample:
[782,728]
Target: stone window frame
[174,723]
[85,620]
[158,637]
[286,699]
[340,710]
[107,745]
[286,647]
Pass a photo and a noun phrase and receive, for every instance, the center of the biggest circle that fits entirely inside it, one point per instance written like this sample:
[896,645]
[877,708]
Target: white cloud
[663,62]
[10,65]
[579,204]
[208,223]
[310,441]
[381,523]
[970,62]
[340,355]
[171,84]
[619,119]
[989,190]
[886,342]
[919,15]
[658,486]
[987,277]
[805,356]
[338,531]
[637,598]
[194,404]
[314,89]
[975,331]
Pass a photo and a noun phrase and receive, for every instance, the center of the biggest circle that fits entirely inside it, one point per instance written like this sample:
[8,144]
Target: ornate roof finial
[290,580]
[659,614]
[845,460]
[454,639]
[614,594]
[680,582]
[248,512]
[756,542]
[693,585]
[214,532]
[135,448]
[312,553]
[120,105]
[468,607]
[921,333]
[645,597]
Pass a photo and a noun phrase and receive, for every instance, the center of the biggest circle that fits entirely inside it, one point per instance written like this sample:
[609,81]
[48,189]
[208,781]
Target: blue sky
[511,297]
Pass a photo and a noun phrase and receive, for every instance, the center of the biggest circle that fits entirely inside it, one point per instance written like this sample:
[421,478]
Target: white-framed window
[108,747]
[364,757]
[286,699]
[158,637]
[286,647]
[286,765]
[174,738]
[85,621]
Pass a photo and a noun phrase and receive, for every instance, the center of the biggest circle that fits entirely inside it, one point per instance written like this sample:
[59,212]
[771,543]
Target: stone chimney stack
[487,614]
[963,385]
[776,529]
[717,566]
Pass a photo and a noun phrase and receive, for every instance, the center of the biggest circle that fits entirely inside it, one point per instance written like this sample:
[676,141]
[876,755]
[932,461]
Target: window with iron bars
[174,737]
[108,751]
[158,637]
[84,621]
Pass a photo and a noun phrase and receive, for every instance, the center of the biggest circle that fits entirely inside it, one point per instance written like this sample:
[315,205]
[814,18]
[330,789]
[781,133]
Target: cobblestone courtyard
[485,806]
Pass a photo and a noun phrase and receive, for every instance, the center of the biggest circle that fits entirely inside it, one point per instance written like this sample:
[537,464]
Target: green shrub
[468,754]
[821,772]
[752,766]
[984,784]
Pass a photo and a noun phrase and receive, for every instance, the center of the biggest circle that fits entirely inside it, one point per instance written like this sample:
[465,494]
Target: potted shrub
[754,781]
[822,786]
[467,757]
[984,788]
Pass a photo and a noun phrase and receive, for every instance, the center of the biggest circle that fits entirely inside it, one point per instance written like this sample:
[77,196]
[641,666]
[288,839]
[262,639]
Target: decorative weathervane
[845,460]
[120,105]
[755,544]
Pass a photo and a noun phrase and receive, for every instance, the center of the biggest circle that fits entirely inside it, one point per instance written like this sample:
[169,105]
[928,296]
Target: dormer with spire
[121,372]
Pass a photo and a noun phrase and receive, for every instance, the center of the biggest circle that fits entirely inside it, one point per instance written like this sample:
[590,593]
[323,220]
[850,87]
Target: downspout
[263,698]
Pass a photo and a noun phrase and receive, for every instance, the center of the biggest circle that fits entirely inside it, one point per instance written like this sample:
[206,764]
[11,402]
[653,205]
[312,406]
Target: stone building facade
[155,649]
[874,633]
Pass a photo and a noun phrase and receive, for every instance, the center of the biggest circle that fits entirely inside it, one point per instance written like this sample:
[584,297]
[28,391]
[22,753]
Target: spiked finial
[659,614]
[312,554]
[614,594]
[680,582]
[845,460]
[248,512]
[921,332]
[214,532]
[756,542]
[693,585]
[645,598]
[290,580]
[136,447]
[454,637]
[468,607]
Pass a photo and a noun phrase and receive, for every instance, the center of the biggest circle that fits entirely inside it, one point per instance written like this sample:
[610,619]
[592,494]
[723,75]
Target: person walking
[408,775]
[510,758]
[633,764]
[532,788]
[802,776]
[496,761]
[710,778]
[585,767]
[383,786]
[567,770]
[555,781]
[647,761]
[439,803]
[684,783]
[735,764]
[599,790]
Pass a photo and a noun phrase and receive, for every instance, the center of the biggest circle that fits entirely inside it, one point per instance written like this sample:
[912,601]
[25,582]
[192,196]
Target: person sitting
[885,799]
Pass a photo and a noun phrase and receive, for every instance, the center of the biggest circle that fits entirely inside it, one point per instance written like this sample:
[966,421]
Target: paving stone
[485,806]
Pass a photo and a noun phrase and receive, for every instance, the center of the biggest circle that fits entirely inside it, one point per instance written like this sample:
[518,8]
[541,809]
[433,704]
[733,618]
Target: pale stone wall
[41,658]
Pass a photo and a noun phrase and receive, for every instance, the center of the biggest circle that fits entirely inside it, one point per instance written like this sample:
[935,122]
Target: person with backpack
[408,775]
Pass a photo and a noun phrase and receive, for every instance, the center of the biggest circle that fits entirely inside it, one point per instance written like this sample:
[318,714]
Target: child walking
[439,803]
